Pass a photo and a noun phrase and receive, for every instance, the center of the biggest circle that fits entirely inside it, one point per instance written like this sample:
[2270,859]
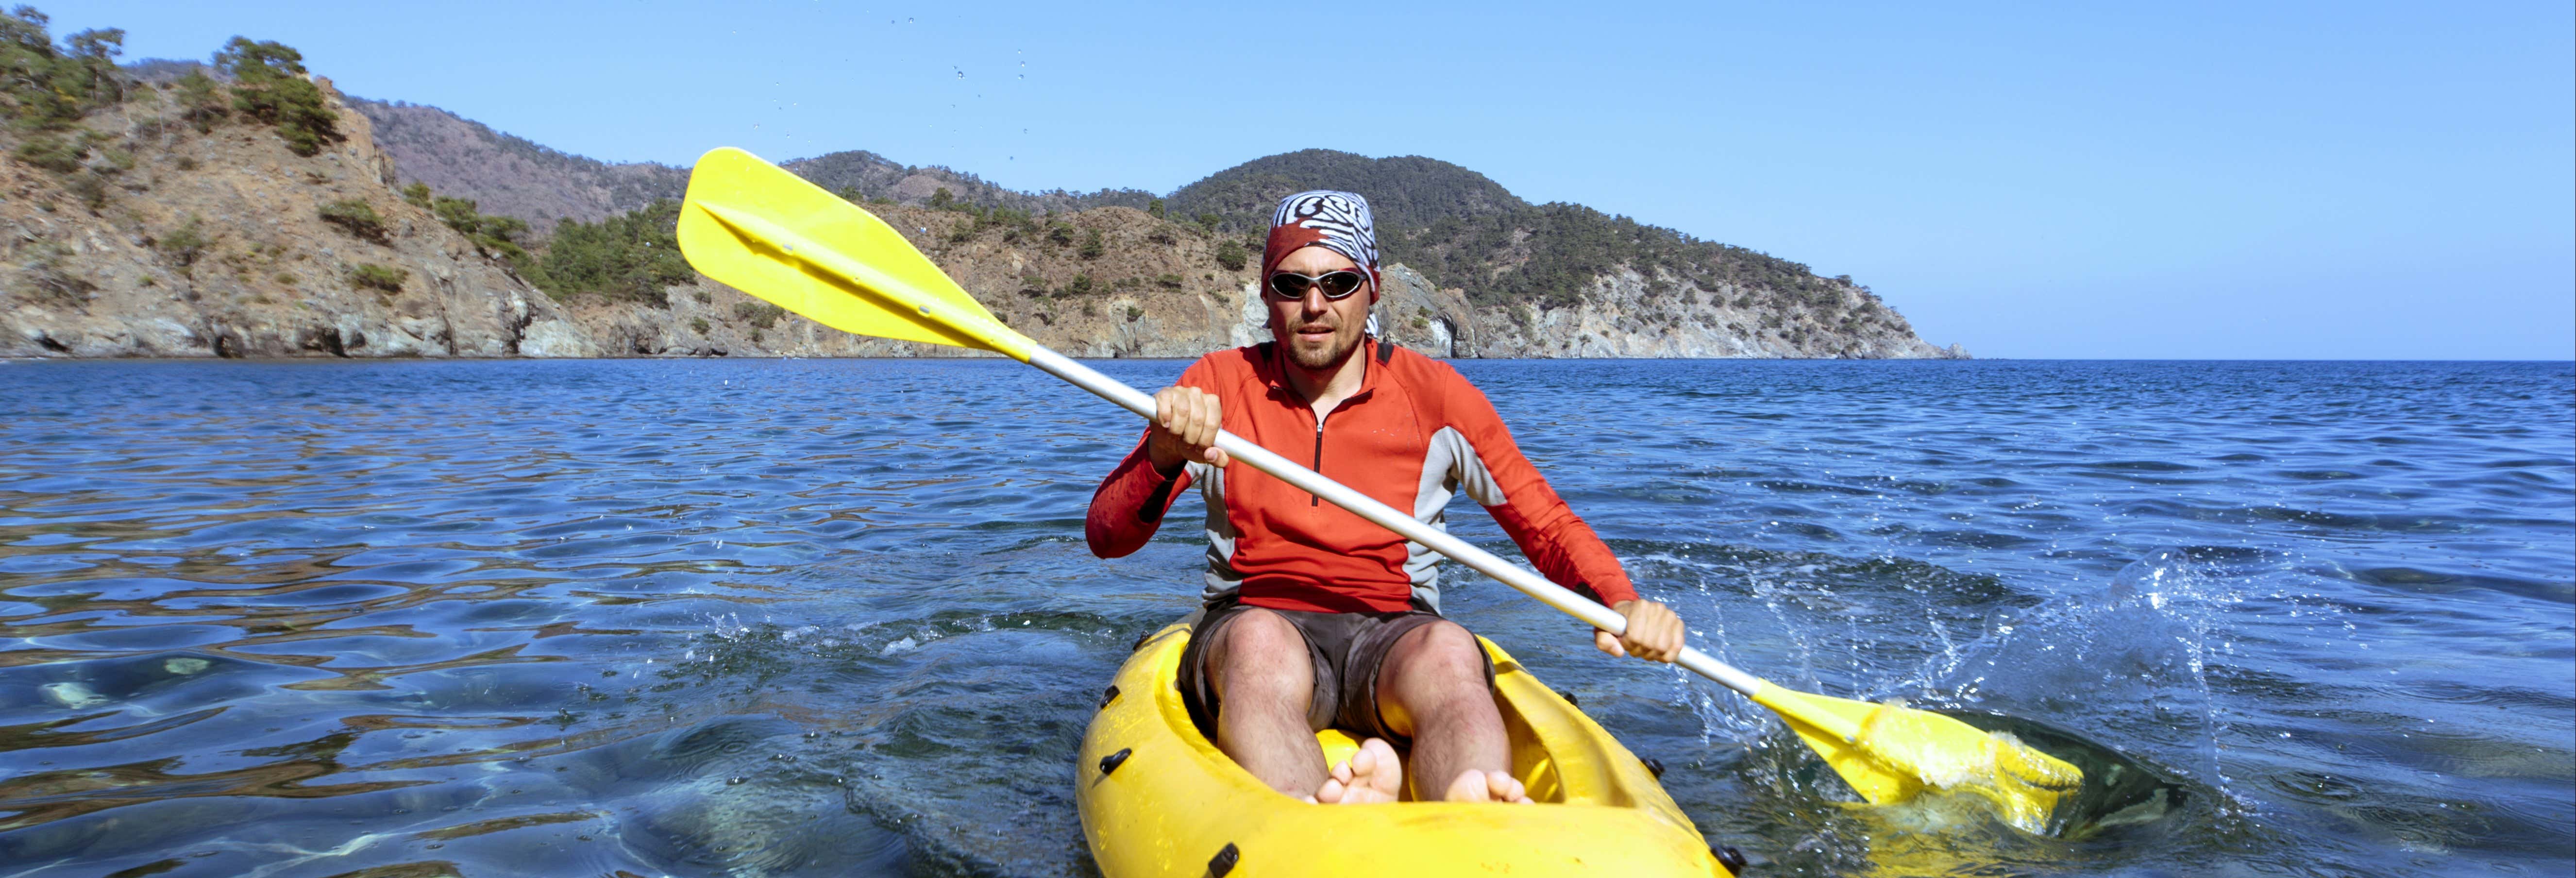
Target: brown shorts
[1347,649]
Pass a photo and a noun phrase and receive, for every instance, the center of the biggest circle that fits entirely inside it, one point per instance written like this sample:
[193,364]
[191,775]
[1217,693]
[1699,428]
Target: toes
[1376,767]
[1469,787]
[1486,786]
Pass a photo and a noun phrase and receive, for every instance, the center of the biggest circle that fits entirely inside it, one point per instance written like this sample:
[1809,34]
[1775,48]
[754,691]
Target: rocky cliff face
[169,242]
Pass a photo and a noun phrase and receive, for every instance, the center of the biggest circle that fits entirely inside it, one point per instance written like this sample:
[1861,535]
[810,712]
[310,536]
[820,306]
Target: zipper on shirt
[1318,467]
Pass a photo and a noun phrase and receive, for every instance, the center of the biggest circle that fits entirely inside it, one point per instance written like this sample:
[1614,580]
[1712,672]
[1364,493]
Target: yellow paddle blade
[1890,753]
[757,228]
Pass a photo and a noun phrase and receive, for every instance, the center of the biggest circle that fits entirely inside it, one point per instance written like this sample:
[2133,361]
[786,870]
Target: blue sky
[2333,180]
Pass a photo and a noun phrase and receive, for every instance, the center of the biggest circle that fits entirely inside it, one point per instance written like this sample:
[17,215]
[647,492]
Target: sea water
[766,618]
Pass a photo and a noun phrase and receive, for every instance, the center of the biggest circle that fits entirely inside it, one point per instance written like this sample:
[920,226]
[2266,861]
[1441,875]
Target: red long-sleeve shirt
[1412,436]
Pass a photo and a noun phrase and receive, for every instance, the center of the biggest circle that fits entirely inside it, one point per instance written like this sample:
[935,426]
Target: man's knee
[1443,653]
[1259,651]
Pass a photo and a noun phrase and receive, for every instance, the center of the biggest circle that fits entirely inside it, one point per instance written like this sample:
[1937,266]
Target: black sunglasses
[1290,286]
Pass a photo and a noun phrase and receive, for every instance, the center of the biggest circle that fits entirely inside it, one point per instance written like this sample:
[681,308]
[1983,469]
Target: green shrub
[458,213]
[1168,281]
[1081,285]
[1092,246]
[91,189]
[1134,312]
[1059,233]
[1230,255]
[184,244]
[699,324]
[417,194]
[942,199]
[61,155]
[356,217]
[492,235]
[758,314]
[368,275]
[269,85]
[201,102]
[1155,208]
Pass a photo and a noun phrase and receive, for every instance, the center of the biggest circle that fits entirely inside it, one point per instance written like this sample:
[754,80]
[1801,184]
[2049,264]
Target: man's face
[1318,333]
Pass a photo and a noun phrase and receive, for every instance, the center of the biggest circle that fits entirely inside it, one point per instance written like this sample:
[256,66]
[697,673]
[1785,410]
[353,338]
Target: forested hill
[1461,228]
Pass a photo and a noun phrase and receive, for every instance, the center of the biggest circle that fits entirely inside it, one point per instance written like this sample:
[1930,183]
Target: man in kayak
[1315,616]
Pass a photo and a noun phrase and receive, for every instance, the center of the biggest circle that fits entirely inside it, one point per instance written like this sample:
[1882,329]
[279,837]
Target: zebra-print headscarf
[1336,221]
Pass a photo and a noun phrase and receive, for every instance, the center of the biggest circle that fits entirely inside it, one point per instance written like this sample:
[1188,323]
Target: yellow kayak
[1158,798]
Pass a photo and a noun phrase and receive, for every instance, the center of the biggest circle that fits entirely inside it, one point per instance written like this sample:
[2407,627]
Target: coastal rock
[190,244]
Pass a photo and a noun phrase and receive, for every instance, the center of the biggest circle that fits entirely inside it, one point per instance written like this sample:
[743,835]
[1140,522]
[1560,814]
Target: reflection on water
[805,618]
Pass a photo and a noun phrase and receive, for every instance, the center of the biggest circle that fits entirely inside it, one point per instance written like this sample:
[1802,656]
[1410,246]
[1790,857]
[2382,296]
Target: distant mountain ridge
[514,176]
[511,175]
[1456,227]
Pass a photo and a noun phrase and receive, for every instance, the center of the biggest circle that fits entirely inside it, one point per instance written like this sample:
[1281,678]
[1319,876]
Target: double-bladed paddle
[764,231]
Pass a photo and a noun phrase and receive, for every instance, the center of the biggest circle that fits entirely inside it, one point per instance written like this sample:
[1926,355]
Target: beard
[1326,354]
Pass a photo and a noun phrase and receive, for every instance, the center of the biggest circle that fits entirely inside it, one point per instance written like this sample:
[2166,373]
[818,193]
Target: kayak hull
[1158,798]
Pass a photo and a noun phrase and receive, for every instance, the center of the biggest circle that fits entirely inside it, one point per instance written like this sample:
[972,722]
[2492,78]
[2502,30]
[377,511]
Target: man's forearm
[1129,505]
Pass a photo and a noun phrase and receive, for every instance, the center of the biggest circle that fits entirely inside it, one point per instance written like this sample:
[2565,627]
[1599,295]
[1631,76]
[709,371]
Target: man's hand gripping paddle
[767,232]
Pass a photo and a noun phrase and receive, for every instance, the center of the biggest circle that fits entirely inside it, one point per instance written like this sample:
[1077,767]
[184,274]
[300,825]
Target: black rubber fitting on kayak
[1568,695]
[1141,637]
[1223,862]
[1111,762]
[1108,696]
[1729,857]
[1655,767]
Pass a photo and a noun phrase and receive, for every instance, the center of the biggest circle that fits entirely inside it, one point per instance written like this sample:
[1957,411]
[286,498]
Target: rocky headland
[152,222]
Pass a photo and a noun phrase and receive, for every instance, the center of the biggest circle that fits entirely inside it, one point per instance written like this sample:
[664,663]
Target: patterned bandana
[1336,221]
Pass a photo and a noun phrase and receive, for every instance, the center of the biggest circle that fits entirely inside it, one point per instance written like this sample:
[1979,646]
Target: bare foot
[1486,786]
[1372,775]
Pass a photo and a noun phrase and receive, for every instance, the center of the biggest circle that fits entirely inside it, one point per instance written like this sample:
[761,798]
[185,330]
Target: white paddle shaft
[1364,506]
